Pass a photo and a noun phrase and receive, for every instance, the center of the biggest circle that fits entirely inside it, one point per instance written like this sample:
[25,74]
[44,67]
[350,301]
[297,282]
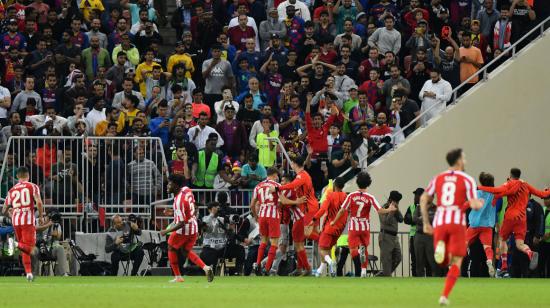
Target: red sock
[504,261]
[260,256]
[270,257]
[528,252]
[305,262]
[366,263]
[24,248]
[299,264]
[195,259]
[489,253]
[174,262]
[450,281]
[27,263]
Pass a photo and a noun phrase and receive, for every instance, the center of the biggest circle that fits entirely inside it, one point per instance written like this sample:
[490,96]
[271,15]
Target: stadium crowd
[334,81]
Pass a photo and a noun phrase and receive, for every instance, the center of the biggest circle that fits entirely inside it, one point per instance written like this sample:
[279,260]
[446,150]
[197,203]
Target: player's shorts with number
[454,237]
[182,241]
[26,234]
[485,235]
[358,238]
[270,227]
[516,226]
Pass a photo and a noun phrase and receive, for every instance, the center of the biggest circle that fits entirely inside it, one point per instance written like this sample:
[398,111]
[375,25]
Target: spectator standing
[408,219]
[386,38]
[270,27]
[487,18]
[267,149]
[471,61]
[390,249]
[502,30]
[217,74]
[95,57]
[5,104]
[343,10]
[20,101]
[434,95]
[395,81]
[208,165]
[145,180]
[95,26]
[233,134]
[522,17]
[424,246]
[200,133]
[343,159]
[449,64]
[300,8]
[408,112]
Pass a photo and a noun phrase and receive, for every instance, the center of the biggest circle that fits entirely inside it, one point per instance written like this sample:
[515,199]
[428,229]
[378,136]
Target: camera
[5,221]
[233,219]
[54,216]
[133,218]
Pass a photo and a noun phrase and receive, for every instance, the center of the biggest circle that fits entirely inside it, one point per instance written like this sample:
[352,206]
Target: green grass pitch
[99,292]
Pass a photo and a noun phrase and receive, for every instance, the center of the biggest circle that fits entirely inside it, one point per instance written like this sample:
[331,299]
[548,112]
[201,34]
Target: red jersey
[238,36]
[331,206]
[518,195]
[22,198]
[296,211]
[269,202]
[317,137]
[303,186]
[358,204]
[184,210]
[452,189]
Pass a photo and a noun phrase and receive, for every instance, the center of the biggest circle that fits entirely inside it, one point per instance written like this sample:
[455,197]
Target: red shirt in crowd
[317,137]
[238,36]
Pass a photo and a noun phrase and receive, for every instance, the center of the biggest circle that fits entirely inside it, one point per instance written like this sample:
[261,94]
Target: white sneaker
[363,274]
[30,278]
[533,264]
[11,246]
[362,254]
[318,273]
[443,301]
[439,253]
[209,273]
[491,268]
[332,268]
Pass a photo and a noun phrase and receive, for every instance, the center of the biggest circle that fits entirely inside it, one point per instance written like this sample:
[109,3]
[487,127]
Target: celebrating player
[482,222]
[358,204]
[302,214]
[515,217]
[455,191]
[331,233]
[184,230]
[22,198]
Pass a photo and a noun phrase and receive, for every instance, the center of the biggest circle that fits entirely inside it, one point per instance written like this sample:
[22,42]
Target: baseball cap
[216,46]
[418,191]
[179,43]
[274,36]
[360,15]
[291,8]
[13,21]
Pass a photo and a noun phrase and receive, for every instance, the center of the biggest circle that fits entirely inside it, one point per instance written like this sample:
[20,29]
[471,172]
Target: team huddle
[275,204]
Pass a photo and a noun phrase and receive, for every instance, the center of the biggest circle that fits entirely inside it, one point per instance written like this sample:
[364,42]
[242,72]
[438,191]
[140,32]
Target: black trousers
[424,249]
[251,257]
[210,256]
[344,252]
[413,256]
[544,260]
[136,256]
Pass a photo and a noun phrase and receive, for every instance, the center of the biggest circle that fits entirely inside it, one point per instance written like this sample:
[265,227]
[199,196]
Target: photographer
[123,243]
[219,238]
[48,235]
[390,250]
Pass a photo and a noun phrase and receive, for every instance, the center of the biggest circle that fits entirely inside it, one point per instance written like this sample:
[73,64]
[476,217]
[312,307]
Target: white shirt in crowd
[302,10]
[219,107]
[437,105]
[200,140]
[40,120]
[95,116]
[361,152]
[4,97]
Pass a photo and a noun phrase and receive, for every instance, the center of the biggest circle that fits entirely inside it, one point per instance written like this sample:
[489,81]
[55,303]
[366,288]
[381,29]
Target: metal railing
[509,53]
[89,179]
[285,159]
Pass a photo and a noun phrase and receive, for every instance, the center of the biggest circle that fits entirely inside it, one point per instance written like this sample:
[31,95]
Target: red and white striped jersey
[269,202]
[296,211]
[358,204]
[452,189]
[184,210]
[22,198]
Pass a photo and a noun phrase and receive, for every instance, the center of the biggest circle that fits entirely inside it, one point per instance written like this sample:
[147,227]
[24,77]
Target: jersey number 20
[20,198]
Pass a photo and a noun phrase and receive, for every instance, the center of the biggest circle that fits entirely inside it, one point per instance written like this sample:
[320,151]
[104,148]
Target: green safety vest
[205,176]
[412,230]
[503,209]
[547,223]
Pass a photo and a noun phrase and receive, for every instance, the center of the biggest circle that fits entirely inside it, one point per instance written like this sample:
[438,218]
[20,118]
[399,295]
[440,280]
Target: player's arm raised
[539,193]
[426,199]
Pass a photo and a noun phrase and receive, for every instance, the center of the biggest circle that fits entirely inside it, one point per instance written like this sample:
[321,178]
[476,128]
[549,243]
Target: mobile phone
[324,164]
[445,31]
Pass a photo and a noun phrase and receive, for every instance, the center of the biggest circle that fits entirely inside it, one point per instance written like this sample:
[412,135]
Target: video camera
[54,216]
[5,221]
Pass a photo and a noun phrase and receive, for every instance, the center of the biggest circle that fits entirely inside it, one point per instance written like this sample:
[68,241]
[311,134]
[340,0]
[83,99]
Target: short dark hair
[177,179]
[197,90]
[363,180]
[22,172]
[134,99]
[339,182]
[252,157]
[486,179]
[272,171]
[298,160]
[515,173]
[177,88]
[453,156]
[287,176]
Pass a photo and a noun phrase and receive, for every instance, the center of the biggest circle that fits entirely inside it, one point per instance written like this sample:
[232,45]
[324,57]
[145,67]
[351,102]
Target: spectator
[390,249]
[342,160]
[5,104]
[217,73]
[522,17]
[387,38]
[116,72]
[381,132]
[145,70]
[239,34]
[128,90]
[247,115]
[131,51]
[295,25]
[373,89]
[361,114]
[419,71]
[40,120]
[243,10]
[408,112]
[449,63]
[348,31]
[343,10]
[434,95]
[20,101]
[123,244]
[502,30]
[300,8]
[487,18]
[395,81]
[182,164]
[233,134]
[318,130]
[408,219]
[142,23]
[95,25]
[49,234]
[181,57]
[267,149]
[471,61]
[95,57]
[38,60]
[115,175]
[65,183]
[366,148]
[258,97]
[423,245]
[144,178]
[208,165]
[200,133]
[252,173]
[219,107]
[159,126]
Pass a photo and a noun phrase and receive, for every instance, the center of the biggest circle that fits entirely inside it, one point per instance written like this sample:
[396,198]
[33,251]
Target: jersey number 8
[448,193]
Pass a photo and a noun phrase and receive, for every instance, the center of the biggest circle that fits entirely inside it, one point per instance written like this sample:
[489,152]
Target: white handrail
[483,71]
